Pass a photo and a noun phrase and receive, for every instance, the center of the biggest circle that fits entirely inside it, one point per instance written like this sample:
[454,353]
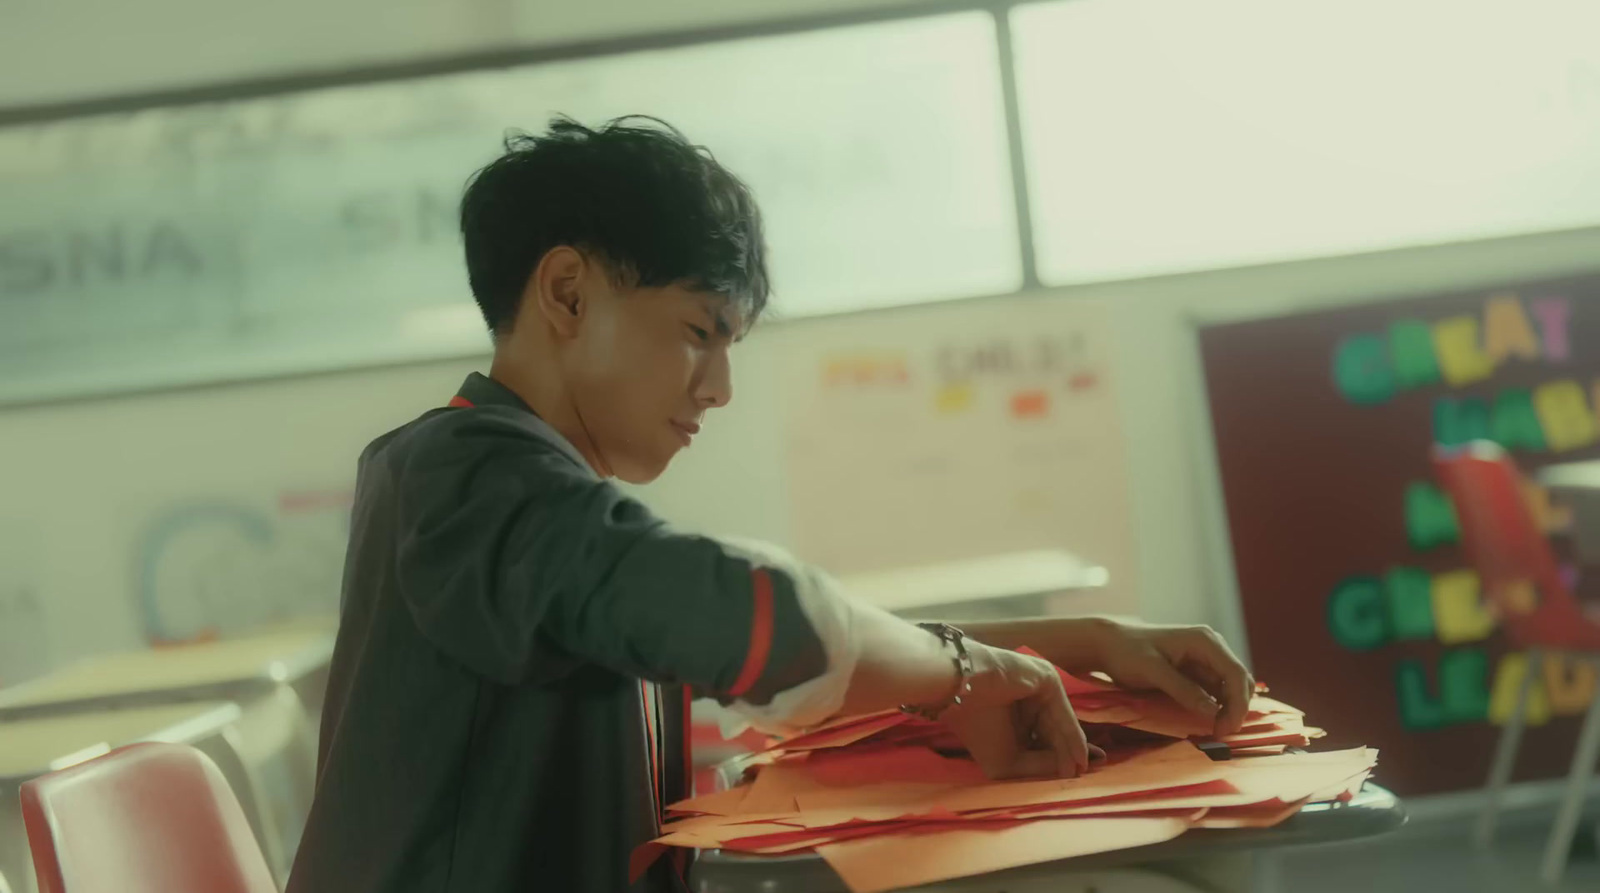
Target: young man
[485,727]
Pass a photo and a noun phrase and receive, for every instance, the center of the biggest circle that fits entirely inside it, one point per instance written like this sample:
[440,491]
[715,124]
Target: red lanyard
[656,725]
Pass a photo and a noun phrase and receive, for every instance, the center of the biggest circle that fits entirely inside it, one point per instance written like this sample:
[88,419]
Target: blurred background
[1147,307]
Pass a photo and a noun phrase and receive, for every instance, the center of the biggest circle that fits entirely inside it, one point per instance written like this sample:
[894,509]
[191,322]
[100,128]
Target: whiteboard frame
[1217,540]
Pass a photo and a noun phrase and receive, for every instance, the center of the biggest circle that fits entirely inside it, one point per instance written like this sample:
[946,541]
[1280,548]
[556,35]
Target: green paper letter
[1355,614]
[1362,370]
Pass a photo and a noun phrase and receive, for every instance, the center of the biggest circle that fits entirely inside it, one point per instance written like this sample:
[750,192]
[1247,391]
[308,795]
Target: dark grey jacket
[484,728]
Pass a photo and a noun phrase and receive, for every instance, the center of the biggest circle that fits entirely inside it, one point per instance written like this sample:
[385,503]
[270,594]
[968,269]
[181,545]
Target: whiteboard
[317,230]
[962,431]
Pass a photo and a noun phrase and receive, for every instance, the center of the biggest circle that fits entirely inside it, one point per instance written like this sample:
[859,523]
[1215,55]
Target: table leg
[1583,759]
[1505,752]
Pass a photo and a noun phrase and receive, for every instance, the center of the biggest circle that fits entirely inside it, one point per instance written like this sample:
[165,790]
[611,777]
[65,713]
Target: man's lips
[686,430]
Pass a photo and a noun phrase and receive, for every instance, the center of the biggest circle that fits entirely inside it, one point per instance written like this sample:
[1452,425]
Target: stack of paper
[889,801]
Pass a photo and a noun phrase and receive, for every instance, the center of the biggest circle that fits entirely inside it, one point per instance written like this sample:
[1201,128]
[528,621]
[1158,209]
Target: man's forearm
[899,664]
[1072,642]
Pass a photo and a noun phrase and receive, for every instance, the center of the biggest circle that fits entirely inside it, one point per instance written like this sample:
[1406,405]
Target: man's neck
[550,401]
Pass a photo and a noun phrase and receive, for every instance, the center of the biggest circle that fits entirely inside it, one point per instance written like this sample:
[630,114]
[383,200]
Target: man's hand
[1016,720]
[1190,663]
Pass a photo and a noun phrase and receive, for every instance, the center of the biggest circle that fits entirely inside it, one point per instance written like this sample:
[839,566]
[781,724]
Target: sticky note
[954,398]
[1030,404]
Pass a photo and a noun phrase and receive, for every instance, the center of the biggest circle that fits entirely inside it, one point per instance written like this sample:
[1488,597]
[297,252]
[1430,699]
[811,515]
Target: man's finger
[1064,722]
[1184,690]
[1236,704]
[1054,738]
[1237,686]
[1027,764]
[988,745]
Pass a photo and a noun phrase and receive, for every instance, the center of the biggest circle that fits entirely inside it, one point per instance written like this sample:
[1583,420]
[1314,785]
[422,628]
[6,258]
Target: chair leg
[1555,851]
[1505,752]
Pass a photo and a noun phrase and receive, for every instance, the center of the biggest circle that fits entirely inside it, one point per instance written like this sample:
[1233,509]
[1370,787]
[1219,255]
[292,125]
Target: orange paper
[886,809]
[720,803]
[845,733]
[907,859]
[1263,815]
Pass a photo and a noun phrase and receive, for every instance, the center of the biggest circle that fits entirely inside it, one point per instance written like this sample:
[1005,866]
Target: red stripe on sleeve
[460,401]
[755,659]
[688,742]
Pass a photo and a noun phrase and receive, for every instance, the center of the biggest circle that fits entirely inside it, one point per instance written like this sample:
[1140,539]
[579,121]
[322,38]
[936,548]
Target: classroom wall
[83,480]
[79,480]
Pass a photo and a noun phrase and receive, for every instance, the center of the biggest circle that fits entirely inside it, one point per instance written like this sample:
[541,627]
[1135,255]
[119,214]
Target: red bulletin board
[1353,590]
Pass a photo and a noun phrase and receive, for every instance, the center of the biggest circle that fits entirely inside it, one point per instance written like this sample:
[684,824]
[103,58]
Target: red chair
[1523,585]
[146,818]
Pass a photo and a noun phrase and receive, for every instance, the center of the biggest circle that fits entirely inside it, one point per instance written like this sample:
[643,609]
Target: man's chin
[642,470]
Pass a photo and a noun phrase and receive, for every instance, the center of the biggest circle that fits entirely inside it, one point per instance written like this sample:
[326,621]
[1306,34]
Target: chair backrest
[1518,571]
[146,818]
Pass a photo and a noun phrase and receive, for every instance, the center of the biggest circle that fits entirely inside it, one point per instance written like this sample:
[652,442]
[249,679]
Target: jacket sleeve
[832,617]
[520,564]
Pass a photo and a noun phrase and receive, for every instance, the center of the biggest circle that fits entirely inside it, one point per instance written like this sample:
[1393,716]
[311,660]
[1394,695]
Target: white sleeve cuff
[831,615]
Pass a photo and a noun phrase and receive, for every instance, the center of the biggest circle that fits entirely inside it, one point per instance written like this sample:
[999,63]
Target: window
[1164,135]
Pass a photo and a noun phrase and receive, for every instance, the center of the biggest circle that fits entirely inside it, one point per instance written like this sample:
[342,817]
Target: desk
[1199,860]
[222,670]
[970,581]
[1578,483]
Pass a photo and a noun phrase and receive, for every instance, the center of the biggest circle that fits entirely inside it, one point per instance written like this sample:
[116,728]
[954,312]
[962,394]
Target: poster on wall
[1356,596]
[217,566]
[941,433]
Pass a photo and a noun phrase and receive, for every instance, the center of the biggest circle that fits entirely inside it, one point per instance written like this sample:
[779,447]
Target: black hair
[634,193]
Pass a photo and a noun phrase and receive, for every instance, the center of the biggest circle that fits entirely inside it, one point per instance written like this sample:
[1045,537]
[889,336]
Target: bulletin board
[933,434]
[1354,592]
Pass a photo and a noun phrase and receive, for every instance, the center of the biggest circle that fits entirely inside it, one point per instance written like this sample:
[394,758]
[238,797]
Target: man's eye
[700,333]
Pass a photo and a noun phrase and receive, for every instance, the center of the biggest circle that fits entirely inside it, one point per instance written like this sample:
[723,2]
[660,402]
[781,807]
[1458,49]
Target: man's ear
[555,290]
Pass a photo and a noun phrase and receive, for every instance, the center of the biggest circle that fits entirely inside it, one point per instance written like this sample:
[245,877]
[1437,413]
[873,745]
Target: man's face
[645,366]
